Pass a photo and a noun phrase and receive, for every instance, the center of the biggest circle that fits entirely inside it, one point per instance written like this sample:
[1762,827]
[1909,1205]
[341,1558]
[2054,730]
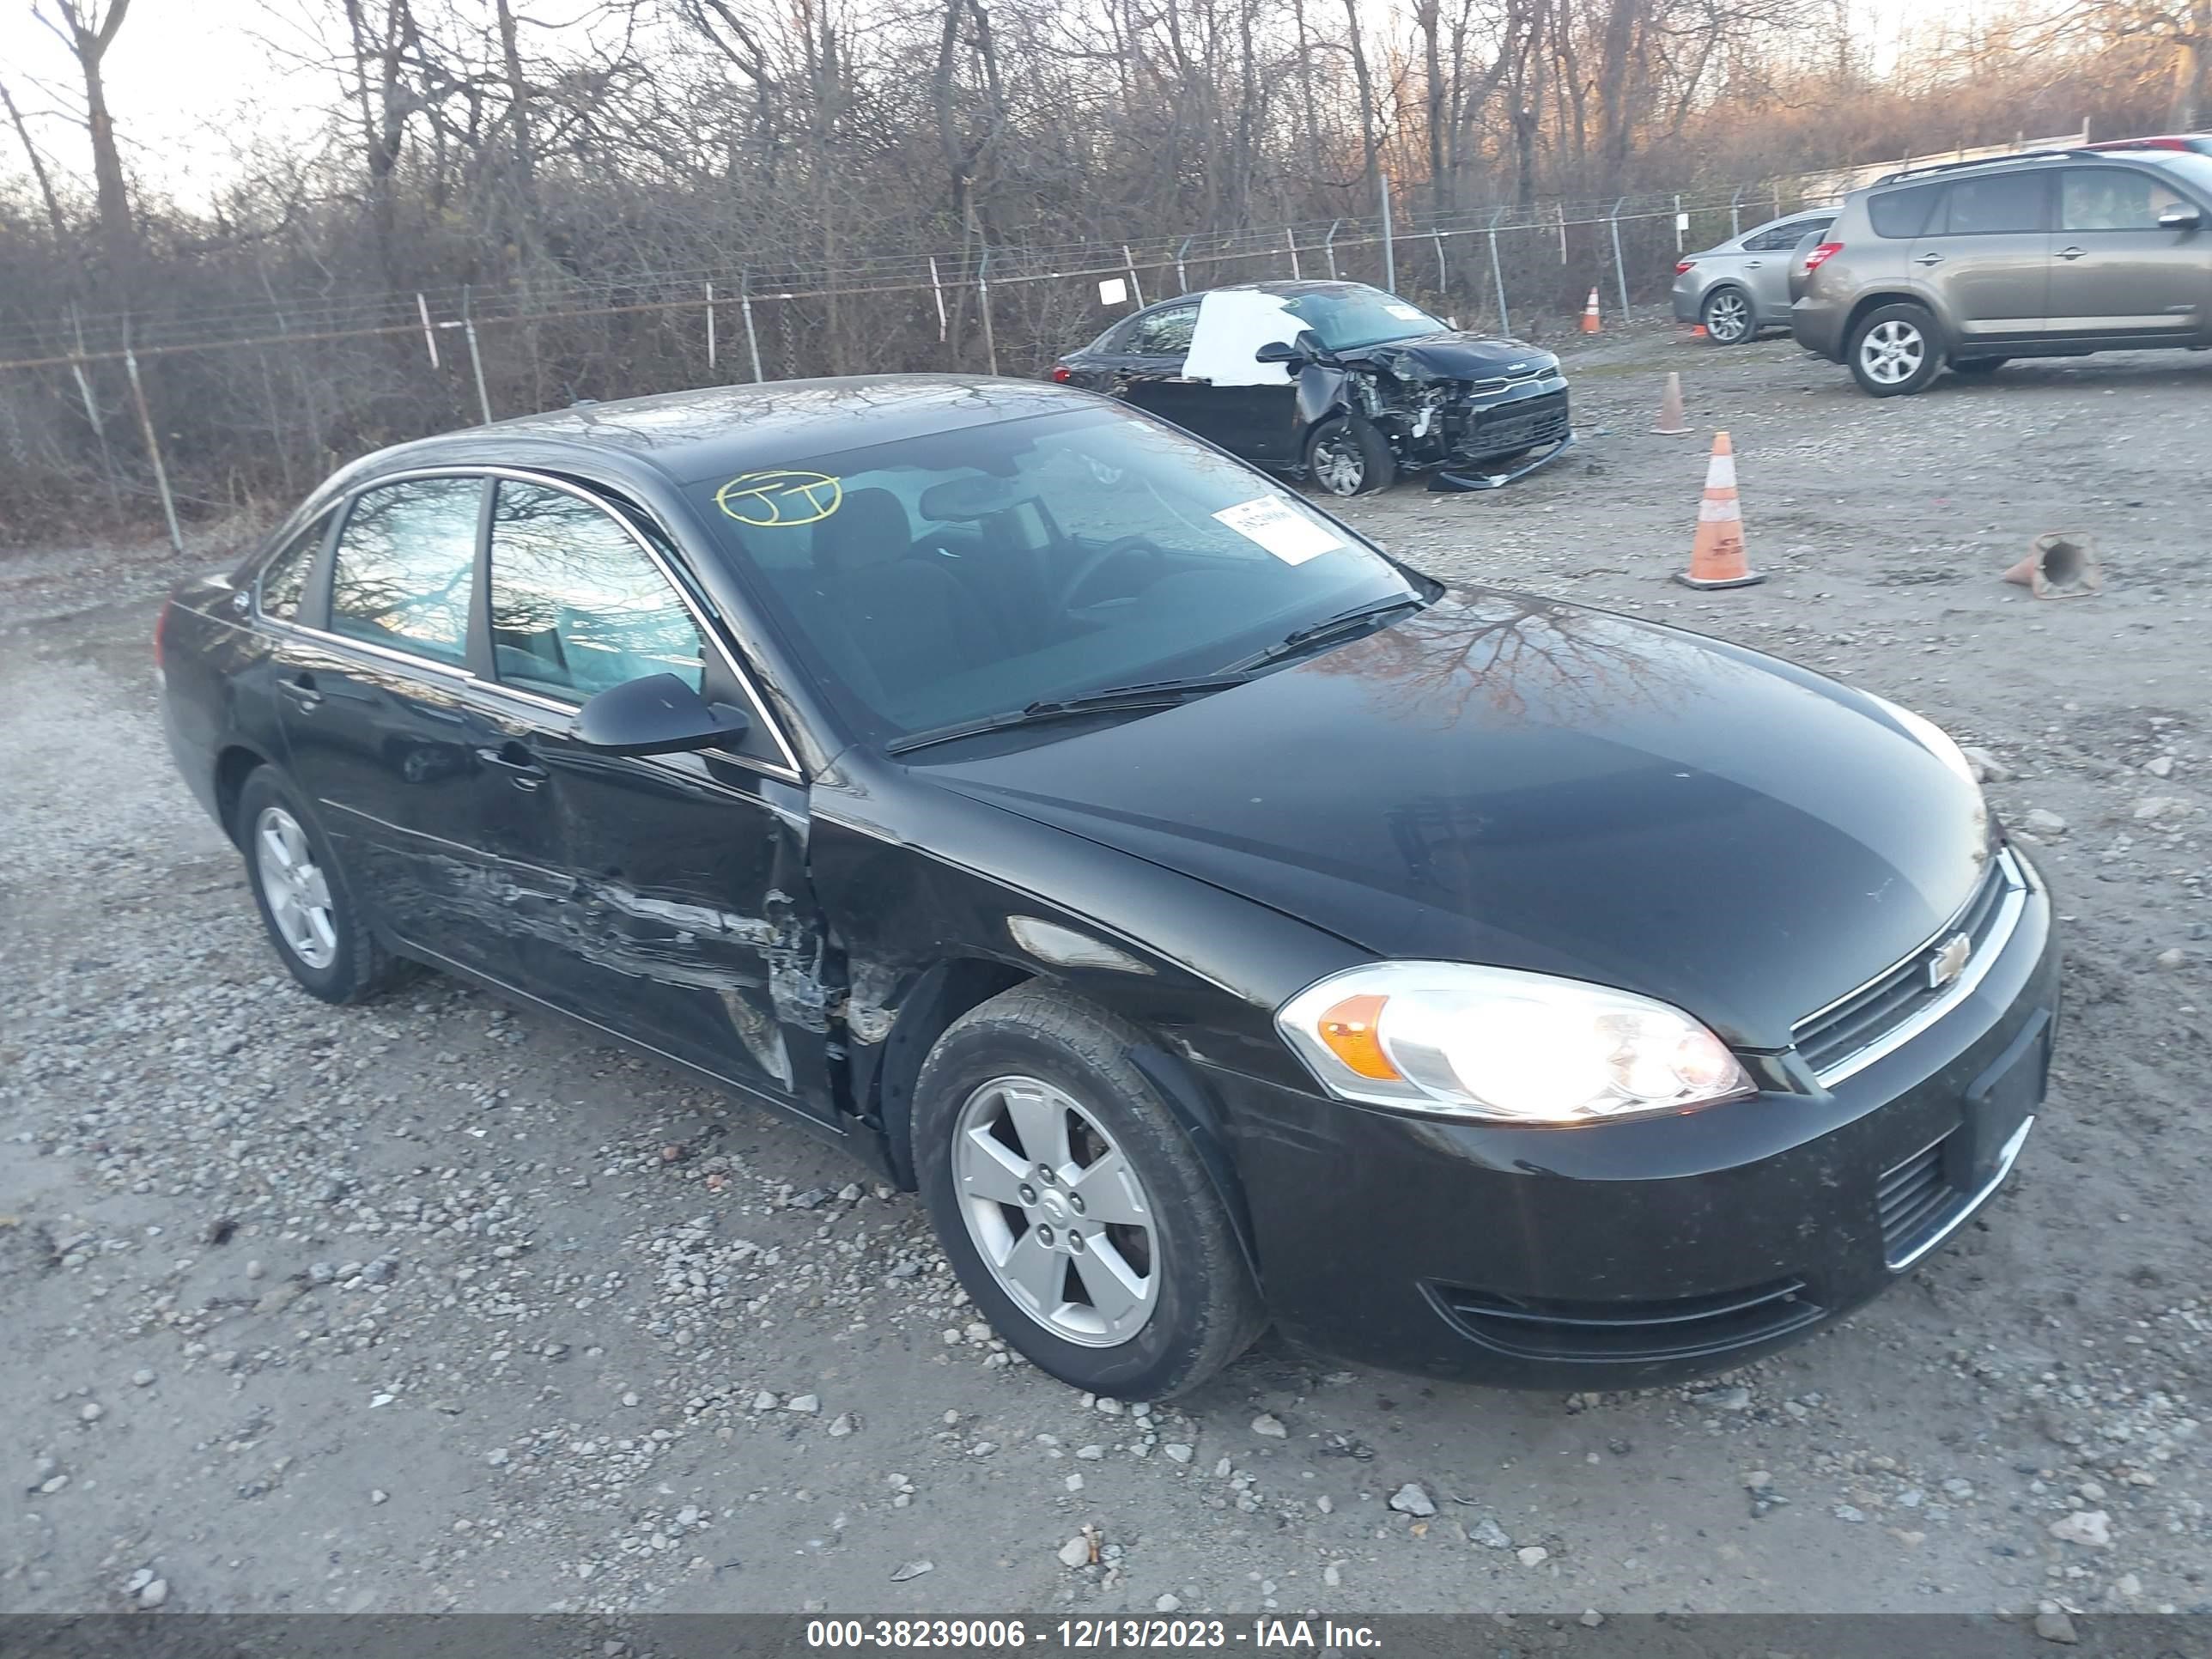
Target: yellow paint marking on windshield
[780,498]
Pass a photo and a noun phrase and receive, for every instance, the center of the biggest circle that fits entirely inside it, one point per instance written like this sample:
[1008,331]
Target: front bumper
[1633,1254]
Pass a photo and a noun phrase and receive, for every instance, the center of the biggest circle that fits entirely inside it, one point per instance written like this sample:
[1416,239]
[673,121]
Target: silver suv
[1742,285]
[2048,253]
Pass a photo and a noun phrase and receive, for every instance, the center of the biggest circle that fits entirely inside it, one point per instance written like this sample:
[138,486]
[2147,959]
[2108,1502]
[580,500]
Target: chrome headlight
[1504,1045]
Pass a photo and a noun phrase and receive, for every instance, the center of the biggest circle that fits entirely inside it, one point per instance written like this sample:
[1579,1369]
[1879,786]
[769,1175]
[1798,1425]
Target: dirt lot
[438,1305]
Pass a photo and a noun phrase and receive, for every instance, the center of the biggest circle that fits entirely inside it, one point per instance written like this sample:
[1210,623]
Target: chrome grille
[1914,1202]
[1858,1028]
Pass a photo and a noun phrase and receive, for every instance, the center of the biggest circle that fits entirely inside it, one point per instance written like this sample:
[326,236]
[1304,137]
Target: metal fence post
[1328,247]
[92,411]
[937,291]
[1135,287]
[476,357]
[1619,266]
[1680,227]
[1291,248]
[1390,249]
[1560,214]
[710,325]
[983,302]
[1443,272]
[1736,212]
[429,334]
[752,340]
[153,444]
[1497,273]
[1182,282]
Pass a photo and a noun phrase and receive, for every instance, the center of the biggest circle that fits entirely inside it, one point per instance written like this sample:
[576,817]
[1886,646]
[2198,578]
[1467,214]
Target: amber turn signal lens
[1352,1030]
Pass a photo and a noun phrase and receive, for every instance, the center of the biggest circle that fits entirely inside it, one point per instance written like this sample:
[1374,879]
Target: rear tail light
[1061,374]
[1682,266]
[1820,255]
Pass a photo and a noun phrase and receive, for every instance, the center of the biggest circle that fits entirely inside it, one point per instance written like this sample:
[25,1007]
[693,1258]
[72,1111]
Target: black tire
[1205,1308]
[358,967]
[1730,316]
[1978,365]
[1905,339]
[1369,464]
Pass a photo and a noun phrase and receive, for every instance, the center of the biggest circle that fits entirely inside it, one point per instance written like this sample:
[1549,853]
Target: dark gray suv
[2048,253]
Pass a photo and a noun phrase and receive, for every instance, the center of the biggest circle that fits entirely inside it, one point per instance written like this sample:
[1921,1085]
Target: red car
[2199,141]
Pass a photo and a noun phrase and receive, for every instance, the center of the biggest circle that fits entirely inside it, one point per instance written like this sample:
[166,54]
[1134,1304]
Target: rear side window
[1164,333]
[576,605]
[284,579]
[1780,239]
[405,567]
[1992,206]
[1902,213]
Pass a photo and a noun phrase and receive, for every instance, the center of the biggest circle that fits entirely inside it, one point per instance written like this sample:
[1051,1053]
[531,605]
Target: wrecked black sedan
[1216,920]
[1335,382]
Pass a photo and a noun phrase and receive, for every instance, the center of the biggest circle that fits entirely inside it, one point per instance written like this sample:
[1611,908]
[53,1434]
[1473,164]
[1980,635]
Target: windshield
[958,575]
[1346,319]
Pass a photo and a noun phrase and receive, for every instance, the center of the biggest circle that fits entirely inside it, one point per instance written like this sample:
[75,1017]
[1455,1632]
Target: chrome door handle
[2071,252]
[512,759]
[1929,259]
[1753,264]
[301,691]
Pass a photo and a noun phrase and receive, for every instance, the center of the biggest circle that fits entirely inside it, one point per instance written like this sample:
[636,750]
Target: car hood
[1509,781]
[1453,356]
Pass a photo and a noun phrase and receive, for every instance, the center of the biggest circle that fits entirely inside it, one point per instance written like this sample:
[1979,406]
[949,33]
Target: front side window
[283,583]
[1164,333]
[576,605]
[2112,199]
[956,575]
[405,563]
[2002,202]
[1344,319]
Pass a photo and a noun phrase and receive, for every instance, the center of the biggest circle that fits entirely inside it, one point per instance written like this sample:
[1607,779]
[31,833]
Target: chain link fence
[201,409]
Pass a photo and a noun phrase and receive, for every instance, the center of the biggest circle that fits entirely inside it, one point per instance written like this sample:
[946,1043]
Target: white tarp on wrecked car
[1233,323]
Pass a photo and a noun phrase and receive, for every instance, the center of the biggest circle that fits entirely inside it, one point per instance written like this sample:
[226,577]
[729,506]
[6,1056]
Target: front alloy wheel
[1346,456]
[1728,316]
[1056,1212]
[1072,1201]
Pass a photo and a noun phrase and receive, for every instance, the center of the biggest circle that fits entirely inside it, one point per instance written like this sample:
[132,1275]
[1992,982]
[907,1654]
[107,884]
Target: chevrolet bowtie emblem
[1950,961]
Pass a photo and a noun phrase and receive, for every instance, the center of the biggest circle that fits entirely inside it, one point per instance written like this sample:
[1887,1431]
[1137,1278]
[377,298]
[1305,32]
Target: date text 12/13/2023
[997,1636]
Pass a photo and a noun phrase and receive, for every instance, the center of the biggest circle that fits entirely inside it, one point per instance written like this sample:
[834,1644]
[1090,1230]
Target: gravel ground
[437,1304]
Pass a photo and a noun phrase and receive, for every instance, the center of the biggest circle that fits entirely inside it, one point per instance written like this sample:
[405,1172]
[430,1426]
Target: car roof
[1287,290]
[718,432]
[2147,155]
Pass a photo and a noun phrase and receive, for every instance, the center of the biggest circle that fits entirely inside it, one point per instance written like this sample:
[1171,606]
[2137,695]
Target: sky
[190,80]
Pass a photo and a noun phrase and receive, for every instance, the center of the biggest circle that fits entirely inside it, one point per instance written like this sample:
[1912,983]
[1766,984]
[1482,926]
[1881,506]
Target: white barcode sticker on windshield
[1281,529]
[1404,313]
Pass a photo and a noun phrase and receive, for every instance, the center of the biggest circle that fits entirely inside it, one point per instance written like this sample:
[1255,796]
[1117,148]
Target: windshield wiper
[1145,693]
[1329,629]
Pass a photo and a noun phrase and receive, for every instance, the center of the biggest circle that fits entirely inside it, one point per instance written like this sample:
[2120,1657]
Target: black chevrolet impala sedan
[1217,921]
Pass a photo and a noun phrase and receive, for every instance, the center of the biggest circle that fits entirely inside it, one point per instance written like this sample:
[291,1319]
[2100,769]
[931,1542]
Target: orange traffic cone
[1671,423]
[2062,565]
[1590,314]
[1716,557]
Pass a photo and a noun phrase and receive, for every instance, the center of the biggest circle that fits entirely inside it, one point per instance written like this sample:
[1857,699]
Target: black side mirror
[2180,215]
[1281,351]
[658,714]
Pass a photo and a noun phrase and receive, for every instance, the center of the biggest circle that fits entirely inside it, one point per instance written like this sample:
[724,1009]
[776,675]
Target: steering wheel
[1064,597]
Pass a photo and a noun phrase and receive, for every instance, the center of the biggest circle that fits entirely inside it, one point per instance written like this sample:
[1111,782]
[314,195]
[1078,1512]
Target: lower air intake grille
[1541,1329]
[1915,1202]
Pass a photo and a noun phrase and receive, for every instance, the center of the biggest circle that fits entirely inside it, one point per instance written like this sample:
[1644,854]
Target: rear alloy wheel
[1346,456]
[1894,351]
[1075,1208]
[1728,316]
[303,897]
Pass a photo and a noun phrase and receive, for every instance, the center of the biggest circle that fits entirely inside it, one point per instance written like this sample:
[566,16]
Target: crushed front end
[1461,408]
